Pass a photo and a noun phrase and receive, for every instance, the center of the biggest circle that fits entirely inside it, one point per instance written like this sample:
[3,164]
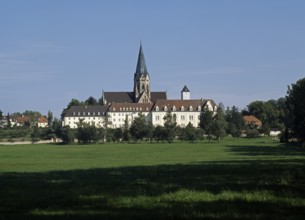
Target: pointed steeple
[141,80]
[141,65]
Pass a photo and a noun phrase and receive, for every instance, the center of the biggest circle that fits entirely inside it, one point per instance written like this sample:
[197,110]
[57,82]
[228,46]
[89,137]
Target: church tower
[185,94]
[141,80]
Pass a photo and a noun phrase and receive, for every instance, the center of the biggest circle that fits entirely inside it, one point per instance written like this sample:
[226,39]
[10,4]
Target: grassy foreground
[243,179]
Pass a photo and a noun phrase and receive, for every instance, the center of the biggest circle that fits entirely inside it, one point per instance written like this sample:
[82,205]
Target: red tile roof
[252,120]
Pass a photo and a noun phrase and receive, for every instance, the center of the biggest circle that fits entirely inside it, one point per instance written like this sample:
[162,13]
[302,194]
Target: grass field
[234,179]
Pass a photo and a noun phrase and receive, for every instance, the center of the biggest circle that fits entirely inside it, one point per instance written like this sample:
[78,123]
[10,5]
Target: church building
[141,89]
[119,106]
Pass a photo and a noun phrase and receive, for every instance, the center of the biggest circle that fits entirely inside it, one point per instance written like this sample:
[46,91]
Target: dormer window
[84,113]
[174,108]
[98,113]
[199,108]
[191,108]
[93,113]
[88,113]
[73,113]
[182,108]
[157,108]
[113,109]
[165,108]
[78,113]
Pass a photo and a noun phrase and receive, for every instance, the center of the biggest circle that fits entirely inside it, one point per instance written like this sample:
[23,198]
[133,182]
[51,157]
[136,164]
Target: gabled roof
[178,104]
[87,111]
[111,97]
[128,97]
[42,119]
[141,65]
[186,104]
[154,96]
[250,119]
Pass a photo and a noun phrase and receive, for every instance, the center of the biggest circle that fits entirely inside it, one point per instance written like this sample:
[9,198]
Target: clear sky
[233,52]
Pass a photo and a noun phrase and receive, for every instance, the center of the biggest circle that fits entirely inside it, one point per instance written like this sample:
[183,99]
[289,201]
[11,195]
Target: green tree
[91,101]
[190,132]
[234,121]
[50,119]
[206,121]
[73,102]
[271,113]
[159,133]
[219,124]
[8,120]
[68,135]
[138,128]
[117,134]
[296,105]
[35,136]
[170,126]
[126,135]
[106,124]
[87,133]
[1,115]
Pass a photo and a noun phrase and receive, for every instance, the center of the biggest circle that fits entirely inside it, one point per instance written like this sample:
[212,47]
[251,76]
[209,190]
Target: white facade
[182,118]
[183,111]
[94,115]
[72,122]
[118,112]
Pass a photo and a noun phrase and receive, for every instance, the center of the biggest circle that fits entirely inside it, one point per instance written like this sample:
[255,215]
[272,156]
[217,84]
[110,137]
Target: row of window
[131,109]
[88,113]
[76,118]
[182,117]
[175,109]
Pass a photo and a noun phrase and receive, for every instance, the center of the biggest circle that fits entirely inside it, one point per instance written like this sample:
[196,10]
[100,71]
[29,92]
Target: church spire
[141,80]
[141,65]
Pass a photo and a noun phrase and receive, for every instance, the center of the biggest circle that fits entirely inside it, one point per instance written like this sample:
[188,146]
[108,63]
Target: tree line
[286,114]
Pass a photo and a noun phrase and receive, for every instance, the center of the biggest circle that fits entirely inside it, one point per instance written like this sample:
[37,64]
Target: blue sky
[233,52]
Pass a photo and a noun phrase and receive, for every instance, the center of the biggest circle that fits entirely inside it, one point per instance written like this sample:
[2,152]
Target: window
[73,113]
[93,113]
[199,108]
[84,113]
[191,117]
[182,117]
[165,108]
[174,108]
[78,113]
[157,108]
[98,113]
[88,113]
[157,117]
[182,108]
[113,109]
[191,108]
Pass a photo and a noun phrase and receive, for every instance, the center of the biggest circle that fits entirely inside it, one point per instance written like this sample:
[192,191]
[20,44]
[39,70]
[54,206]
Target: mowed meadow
[233,179]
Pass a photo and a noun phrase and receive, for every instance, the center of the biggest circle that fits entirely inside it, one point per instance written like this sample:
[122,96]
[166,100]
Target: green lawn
[234,179]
